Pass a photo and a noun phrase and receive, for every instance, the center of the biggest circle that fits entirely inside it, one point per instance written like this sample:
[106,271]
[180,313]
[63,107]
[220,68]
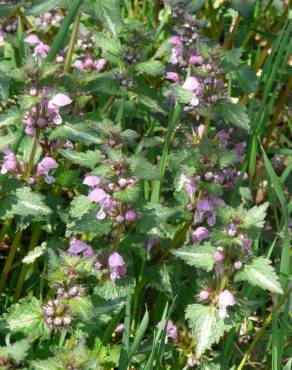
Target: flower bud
[58,321]
[120,219]
[203,295]
[33,92]
[131,216]
[67,320]
[122,182]
[237,265]
[208,176]
[219,256]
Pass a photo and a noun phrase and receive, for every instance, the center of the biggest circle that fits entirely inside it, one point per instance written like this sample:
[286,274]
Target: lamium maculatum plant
[144,184]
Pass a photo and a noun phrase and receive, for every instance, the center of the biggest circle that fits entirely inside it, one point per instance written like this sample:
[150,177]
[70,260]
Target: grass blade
[58,40]
[125,348]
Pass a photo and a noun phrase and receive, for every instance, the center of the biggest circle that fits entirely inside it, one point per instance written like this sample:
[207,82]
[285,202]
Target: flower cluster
[12,165]
[45,113]
[49,19]
[103,194]
[113,267]
[56,314]
[41,49]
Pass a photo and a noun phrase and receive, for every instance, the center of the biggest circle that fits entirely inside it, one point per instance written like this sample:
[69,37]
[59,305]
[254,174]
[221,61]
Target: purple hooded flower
[43,168]
[203,295]
[200,234]
[190,183]
[219,256]
[117,266]
[225,299]
[97,195]
[119,328]
[151,242]
[9,163]
[177,51]
[92,181]
[192,84]
[40,49]
[173,76]
[79,247]
[171,330]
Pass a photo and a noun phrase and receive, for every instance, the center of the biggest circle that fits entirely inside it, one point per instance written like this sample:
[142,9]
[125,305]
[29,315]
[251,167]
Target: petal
[101,215]
[32,39]
[97,195]
[60,100]
[191,84]
[115,259]
[91,181]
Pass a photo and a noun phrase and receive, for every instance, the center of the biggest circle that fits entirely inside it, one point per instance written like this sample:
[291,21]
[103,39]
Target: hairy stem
[68,60]
[9,259]
[21,279]
[263,329]
[32,154]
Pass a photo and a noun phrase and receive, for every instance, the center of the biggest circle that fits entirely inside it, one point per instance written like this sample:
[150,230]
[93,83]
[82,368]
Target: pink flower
[192,84]
[117,266]
[203,295]
[9,163]
[97,195]
[44,166]
[200,234]
[119,328]
[171,330]
[219,256]
[99,64]
[78,246]
[59,100]
[173,76]
[225,299]
[92,181]
[175,40]
[32,39]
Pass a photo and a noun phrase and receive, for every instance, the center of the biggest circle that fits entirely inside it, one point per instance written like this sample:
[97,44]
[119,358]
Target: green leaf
[182,95]
[87,159]
[4,87]
[108,12]
[255,217]
[201,256]
[6,141]
[52,363]
[139,335]
[28,203]
[79,132]
[34,254]
[246,78]
[260,273]
[207,326]
[79,206]
[128,195]
[151,67]
[41,6]
[108,44]
[15,352]
[82,307]
[235,114]
[112,290]
[231,59]
[125,347]
[27,317]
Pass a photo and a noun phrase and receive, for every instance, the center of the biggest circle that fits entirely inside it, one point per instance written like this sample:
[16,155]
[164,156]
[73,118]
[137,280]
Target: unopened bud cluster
[123,80]
[56,314]
[50,19]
